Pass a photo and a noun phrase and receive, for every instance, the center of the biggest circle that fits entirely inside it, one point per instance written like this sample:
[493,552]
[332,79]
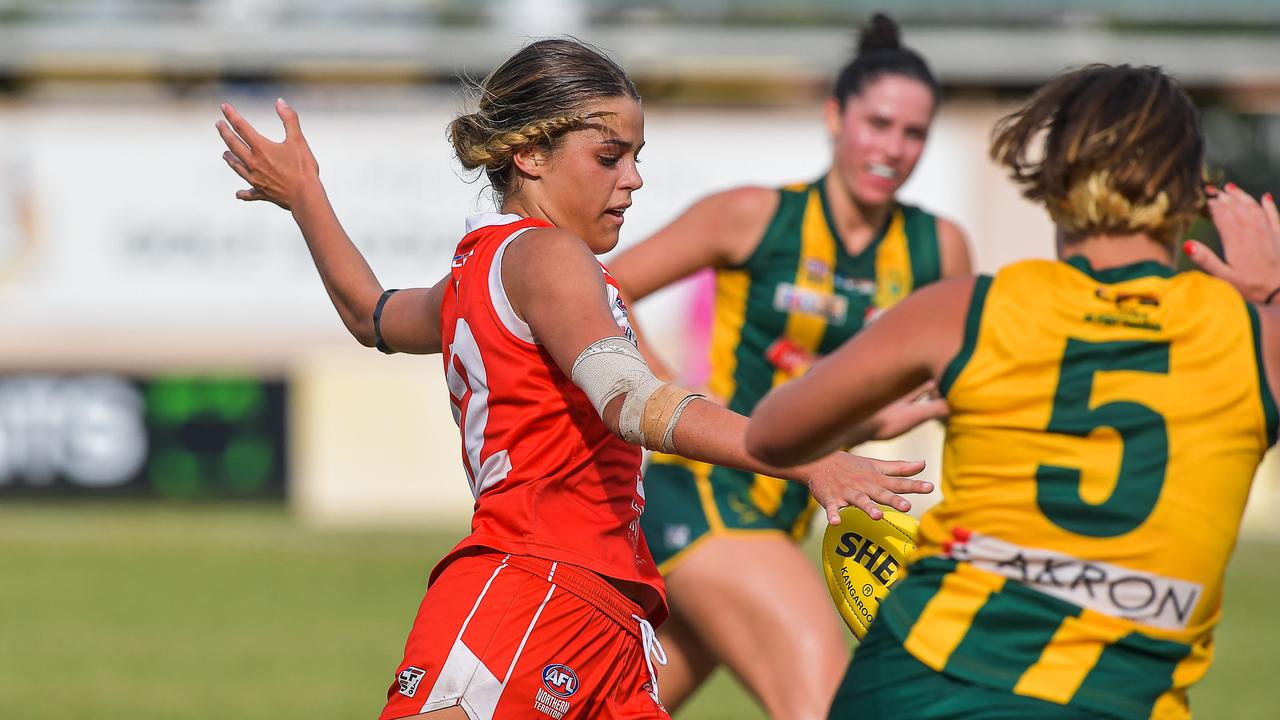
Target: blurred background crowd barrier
[161,340]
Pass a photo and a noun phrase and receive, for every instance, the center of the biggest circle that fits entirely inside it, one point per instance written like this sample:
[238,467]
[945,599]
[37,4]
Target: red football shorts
[509,636]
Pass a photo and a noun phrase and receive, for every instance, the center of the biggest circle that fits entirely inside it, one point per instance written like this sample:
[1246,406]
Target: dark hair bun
[880,34]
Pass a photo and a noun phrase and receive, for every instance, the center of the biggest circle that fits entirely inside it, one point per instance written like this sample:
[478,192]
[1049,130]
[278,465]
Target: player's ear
[831,114]
[531,161]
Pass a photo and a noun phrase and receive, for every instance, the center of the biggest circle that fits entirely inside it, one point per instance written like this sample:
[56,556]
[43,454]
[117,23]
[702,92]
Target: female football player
[1107,417]
[798,270]
[546,607]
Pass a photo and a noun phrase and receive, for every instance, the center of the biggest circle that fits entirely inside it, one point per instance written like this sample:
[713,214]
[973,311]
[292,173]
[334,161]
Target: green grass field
[141,612]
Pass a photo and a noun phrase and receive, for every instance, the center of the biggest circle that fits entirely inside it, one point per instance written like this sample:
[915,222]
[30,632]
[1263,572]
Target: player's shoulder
[947,229]
[549,244]
[1033,268]
[733,221]
[549,256]
[746,201]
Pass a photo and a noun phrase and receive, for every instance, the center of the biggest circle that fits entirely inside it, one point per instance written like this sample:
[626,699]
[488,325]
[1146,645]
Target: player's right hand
[1250,233]
[277,172]
[842,479]
[918,407]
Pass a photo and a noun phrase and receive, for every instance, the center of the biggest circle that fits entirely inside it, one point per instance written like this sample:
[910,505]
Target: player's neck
[524,206]
[1111,251]
[856,224]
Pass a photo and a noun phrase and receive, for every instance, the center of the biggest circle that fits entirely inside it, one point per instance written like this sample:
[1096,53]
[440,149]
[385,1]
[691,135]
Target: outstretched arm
[287,174]
[556,285]
[718,230]
[808,417]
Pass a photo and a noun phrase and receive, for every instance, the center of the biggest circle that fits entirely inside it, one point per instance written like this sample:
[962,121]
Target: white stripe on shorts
[462,668]
[464,680]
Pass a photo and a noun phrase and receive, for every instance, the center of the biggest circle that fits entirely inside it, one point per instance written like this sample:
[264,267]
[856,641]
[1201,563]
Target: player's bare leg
[689,662]
[777,632]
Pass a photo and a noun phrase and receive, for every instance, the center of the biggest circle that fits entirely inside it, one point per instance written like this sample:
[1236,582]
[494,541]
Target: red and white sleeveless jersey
[550,480]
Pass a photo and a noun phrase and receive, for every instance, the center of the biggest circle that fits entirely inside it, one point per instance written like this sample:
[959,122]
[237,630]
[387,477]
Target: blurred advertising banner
[106,435]
[119,214]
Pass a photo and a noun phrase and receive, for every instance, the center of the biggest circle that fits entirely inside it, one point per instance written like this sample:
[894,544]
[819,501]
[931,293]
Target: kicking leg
[758,604]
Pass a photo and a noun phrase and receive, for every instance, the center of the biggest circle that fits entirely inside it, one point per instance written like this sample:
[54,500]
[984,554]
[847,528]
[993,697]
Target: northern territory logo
[408,680]
[560,682]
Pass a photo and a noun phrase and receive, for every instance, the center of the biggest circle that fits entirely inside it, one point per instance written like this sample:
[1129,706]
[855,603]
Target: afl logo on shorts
[560,680]
[408,680]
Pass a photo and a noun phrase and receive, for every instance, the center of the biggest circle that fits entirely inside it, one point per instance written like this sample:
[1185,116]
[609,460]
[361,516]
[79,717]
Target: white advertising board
[120,217]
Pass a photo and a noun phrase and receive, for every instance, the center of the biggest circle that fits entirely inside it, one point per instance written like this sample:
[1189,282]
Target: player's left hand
[278,172]
[842,479]
[1250,232]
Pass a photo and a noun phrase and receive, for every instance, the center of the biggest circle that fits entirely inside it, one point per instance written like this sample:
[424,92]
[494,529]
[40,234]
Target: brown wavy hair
[540,93]
[1108,150]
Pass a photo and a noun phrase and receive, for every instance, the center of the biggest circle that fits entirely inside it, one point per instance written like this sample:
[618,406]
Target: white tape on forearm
[611,367]
[608,368]
[631,421]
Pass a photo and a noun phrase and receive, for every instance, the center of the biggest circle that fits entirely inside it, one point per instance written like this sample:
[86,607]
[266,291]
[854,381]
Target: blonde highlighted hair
[540,93]
[1108,150]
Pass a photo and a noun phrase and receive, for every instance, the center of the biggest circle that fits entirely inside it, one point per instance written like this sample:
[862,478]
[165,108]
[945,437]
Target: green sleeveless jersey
[799,296]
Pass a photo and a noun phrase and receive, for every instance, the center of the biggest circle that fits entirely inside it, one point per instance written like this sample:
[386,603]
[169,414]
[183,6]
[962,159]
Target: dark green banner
[105,435]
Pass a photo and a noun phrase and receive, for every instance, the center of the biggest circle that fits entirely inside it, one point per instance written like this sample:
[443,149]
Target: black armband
[378,342]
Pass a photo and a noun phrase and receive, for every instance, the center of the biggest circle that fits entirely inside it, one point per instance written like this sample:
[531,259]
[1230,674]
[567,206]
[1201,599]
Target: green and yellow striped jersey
[800,295]
[1105,429]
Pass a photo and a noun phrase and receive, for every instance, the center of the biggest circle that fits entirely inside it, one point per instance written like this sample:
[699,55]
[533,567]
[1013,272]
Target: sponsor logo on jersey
[872,314]
[461,258]
[548,704]
[861,286]
[1129,310]
[409,679]
[816,270]
[1121,592]
[676,536]
[560,680]
[893,287]
[789,298]
[746,512]
[789,357]
[1121,299]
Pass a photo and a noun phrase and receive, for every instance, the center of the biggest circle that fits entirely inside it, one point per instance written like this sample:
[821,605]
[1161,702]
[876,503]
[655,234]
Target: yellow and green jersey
[798,296]
[1105,429]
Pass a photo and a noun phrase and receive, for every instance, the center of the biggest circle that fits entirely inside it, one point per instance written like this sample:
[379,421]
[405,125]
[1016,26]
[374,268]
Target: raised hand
[841,479]
[277,172]
[1250,233]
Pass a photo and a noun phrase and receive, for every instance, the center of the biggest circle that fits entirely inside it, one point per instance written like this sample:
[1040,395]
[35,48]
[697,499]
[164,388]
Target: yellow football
[862,558]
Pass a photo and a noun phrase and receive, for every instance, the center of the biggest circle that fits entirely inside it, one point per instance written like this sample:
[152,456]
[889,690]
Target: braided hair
[530,101]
